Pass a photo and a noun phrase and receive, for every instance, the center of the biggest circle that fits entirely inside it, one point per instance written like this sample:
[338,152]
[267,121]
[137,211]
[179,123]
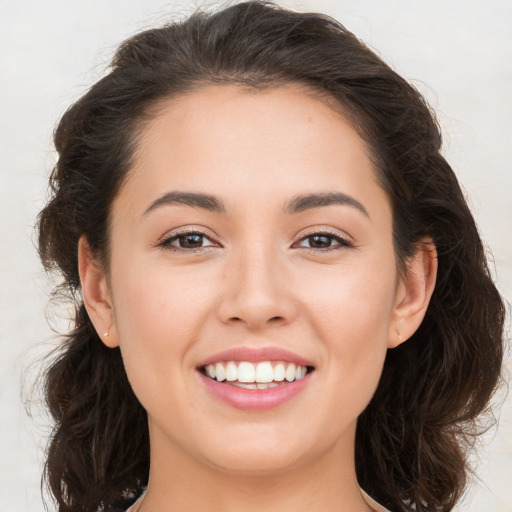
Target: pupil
[320,241]
[191,241]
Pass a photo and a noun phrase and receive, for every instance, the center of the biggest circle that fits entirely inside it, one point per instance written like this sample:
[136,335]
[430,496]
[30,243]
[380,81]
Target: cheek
[353,304]
[158,315]
[153,299]
[351,314]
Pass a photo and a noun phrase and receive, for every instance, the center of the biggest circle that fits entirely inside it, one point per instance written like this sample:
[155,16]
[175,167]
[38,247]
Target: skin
[256,280]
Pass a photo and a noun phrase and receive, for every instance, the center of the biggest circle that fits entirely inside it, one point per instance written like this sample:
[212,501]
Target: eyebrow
[297,205]
[194,199]
[309,201]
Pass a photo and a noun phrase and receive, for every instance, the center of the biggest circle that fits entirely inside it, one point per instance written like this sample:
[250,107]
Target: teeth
[220,373]
[246,372]
[266,386]
[246,386]
[279,372]
[264,372]
[262,375]
[300,372]
[231,372]
[290,373]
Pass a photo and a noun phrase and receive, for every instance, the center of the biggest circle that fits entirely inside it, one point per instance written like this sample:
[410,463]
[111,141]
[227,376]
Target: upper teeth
[243,371]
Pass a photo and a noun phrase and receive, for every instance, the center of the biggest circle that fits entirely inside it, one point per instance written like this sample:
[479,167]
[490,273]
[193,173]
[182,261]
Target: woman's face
[252,231]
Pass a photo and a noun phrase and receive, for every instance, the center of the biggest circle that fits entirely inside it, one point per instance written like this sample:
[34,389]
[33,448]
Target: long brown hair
[412,440]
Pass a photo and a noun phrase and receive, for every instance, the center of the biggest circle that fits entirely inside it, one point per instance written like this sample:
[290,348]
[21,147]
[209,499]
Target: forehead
[226,140]
[220,111]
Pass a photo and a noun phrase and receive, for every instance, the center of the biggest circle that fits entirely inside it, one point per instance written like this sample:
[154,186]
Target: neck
[179,482]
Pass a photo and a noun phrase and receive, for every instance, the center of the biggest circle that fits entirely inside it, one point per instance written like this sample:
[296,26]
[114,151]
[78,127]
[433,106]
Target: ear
[96,294]
[413,293]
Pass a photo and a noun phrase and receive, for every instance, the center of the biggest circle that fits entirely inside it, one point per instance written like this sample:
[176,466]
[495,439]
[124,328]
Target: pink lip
[255,355]
[254,399]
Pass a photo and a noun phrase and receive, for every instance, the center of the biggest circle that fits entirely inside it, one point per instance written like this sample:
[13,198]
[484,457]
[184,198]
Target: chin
[254,463]
[260,454]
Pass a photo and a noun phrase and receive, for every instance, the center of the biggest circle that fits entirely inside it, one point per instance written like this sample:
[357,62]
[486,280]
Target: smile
[262,375]
[255,379]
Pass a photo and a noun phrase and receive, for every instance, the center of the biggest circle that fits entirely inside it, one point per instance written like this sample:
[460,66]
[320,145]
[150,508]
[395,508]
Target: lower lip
[254,399]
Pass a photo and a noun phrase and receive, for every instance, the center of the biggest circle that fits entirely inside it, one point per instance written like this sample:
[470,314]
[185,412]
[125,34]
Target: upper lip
[256,355]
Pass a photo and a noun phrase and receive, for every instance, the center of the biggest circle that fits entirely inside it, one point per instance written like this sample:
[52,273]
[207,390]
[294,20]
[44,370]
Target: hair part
[411,443]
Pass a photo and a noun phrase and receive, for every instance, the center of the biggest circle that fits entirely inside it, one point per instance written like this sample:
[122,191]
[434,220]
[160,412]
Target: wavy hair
[412,440]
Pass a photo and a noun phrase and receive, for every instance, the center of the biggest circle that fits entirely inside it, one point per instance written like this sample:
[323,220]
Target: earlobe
[414,293]
[96,294]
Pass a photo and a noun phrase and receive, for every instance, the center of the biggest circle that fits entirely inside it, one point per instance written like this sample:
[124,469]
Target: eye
[191,240]
[323,241]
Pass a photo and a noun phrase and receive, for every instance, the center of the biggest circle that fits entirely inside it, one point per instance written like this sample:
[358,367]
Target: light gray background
[457,52]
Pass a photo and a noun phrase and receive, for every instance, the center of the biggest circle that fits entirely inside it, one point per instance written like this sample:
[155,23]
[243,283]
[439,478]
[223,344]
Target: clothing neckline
[377,507]
[369,500]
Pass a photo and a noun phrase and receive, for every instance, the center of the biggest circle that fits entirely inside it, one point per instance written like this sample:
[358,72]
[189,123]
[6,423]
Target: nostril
[274,319]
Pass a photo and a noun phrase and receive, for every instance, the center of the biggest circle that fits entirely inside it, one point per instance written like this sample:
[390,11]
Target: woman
[282,298]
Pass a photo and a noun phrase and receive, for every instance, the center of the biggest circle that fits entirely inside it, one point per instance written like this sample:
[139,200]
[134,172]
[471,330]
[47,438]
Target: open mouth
[261,375]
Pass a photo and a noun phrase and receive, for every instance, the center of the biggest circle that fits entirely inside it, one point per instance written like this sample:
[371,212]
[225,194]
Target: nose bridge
[254,291]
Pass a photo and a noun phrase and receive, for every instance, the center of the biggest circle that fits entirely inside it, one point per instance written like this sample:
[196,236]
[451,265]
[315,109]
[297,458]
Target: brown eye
[320,241]
[323,241]
[190,241]
[185,241]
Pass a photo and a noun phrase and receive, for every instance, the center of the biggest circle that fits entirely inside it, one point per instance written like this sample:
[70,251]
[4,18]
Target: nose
[256,291]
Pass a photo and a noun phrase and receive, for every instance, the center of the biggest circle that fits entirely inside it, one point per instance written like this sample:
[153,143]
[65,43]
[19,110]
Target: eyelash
[166,244]
[342,242]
